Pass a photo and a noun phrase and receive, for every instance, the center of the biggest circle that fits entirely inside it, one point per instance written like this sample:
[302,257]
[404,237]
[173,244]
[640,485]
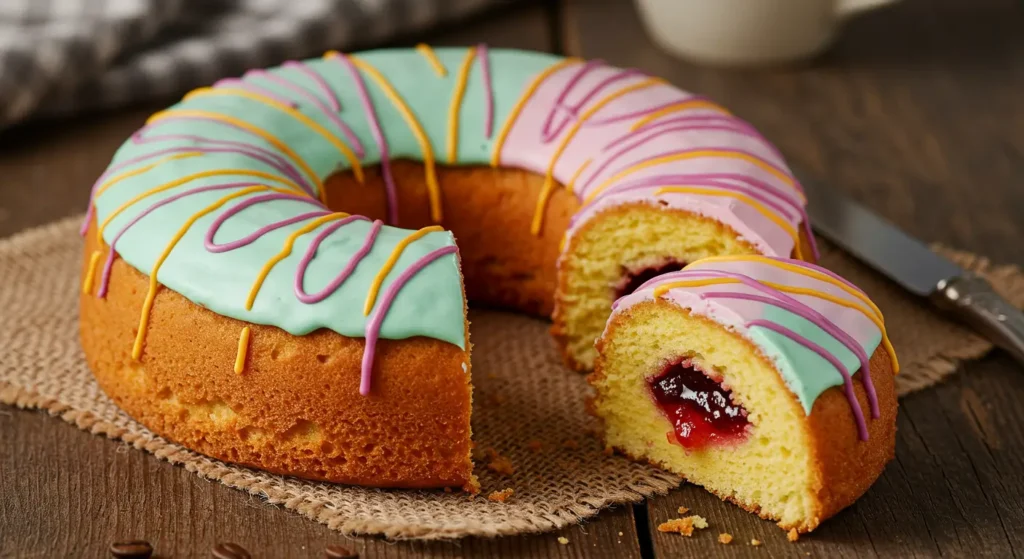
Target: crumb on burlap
[725,538]
[792,535]
[608,451]
[535,445]
[570,444]
[472,486]
[684,526]
[501,496]
[755,543]
[498,463]
[563,540]
[447,489]
[682,510]
[620,534]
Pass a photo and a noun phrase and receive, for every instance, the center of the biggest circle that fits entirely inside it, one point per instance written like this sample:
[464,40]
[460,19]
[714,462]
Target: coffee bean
[136,549]
[230,551]
[338,552]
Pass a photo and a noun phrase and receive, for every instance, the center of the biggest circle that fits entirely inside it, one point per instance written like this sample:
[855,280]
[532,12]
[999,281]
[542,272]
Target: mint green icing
[806,373]
[431,304]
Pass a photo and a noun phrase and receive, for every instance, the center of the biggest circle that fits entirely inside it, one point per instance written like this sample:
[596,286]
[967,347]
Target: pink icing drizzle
[485,76]
[373,326]
[343,275]
[378,136]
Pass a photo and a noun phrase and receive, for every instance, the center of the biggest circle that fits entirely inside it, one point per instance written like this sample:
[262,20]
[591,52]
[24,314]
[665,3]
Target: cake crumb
[608,450]
[792,535]
[501,496]
[563,540]
[620,534]
[447,489]
[684,526]
[472,486]
[570,444]
[682,510]
[725,538]
[755,543]
[498,463]
[535,445]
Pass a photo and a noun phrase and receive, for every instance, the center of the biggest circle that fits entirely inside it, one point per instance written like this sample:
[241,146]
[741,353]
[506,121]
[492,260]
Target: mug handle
[847,8]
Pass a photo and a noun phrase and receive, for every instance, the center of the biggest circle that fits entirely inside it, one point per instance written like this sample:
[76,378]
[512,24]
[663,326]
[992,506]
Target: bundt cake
[768,381]
[270,273]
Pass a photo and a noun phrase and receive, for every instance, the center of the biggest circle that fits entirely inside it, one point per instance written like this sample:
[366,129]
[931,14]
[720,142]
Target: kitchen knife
[911,264]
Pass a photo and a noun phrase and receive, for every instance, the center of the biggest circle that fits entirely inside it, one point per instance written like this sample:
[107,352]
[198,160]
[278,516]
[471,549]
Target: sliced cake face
[720,373]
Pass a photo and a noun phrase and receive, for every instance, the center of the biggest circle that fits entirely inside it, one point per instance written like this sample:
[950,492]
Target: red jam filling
[633,279]
[701,409]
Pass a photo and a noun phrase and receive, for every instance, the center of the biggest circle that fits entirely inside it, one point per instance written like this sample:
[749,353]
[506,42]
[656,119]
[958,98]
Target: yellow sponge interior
[770,471]
[628,237]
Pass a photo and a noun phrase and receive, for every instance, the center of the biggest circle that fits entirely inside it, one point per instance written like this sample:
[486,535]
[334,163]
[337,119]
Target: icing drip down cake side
[277,268]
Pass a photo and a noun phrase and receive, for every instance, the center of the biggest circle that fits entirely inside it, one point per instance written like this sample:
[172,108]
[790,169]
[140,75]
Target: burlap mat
[524,397]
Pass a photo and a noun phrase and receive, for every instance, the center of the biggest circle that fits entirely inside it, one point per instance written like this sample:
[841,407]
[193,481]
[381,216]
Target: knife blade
[908,262]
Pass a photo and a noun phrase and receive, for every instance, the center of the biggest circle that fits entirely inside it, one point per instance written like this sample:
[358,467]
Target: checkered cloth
[61,56]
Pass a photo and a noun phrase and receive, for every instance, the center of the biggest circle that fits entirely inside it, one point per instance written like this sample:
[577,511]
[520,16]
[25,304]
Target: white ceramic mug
[747,32]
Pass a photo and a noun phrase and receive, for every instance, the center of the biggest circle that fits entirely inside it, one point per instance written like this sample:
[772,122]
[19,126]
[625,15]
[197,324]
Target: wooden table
[917,111]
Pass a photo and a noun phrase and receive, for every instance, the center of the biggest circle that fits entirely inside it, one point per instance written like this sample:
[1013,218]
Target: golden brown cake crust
[844,466]
[296,407]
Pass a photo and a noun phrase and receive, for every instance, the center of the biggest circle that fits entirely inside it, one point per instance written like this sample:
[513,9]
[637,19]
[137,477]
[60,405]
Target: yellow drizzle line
[549,177]
[182,180]
[243,350]
[811,273]
[431,57]
[353,160]
[456,104]
[783,224]
[371,296]
[147,306]
[90,275]
[661,289]
[271,139]
[285,251]
[691,155]
[572,182]
[433,189]
[676,107]
[138,171]
[514,113]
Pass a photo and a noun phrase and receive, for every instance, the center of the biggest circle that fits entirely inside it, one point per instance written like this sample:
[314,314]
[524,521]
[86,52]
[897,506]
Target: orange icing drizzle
[812,273]
[549,177]
[676,107]
[371,296]
[572,181]
[518,107]
[431,57]
[138,171]
[433,190]
[243,350]
[90,274]
[147,306]
[691,155]
[766,212]
[456,104]
[285,251]
[353,161]
[187,178]
[270,138]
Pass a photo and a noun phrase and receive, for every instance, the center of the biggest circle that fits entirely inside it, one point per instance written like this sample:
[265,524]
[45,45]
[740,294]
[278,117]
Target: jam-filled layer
[700,409]
[633,279]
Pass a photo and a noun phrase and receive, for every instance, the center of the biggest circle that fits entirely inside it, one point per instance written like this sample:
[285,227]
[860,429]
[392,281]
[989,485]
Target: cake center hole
[632,279]
[700,409]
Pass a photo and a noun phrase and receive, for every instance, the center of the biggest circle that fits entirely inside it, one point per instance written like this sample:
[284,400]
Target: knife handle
[972,300]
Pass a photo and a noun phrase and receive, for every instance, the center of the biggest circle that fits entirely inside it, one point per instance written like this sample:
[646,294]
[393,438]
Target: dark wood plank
[70,494]
[916,112]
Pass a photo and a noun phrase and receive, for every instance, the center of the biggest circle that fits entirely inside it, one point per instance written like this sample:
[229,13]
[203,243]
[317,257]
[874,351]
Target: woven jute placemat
[529,408]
